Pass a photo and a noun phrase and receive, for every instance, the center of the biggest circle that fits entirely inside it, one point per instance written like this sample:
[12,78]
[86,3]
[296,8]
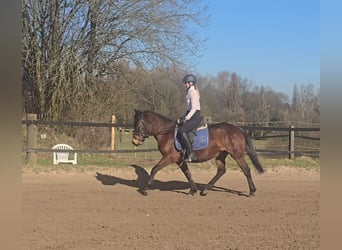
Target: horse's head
[139,133]
[149,123]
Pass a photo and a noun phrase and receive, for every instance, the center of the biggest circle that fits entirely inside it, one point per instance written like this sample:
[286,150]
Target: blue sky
[274,43]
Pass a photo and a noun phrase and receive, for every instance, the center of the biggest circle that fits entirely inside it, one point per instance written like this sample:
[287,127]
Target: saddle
[199,137]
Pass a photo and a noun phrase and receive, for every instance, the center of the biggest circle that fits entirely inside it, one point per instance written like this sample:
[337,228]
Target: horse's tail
[251,152]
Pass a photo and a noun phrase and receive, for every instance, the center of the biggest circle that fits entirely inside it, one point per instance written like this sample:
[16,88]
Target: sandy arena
[102,209]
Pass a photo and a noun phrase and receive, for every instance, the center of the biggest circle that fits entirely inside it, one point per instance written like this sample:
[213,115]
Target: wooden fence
[284,133]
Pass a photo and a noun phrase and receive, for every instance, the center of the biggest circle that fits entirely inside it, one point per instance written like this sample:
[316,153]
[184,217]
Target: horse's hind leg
[221,170]
[186,172]
[247,172]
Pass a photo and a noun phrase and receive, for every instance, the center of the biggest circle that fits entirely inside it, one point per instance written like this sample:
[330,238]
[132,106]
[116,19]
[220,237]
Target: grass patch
[90,162]
[299,162]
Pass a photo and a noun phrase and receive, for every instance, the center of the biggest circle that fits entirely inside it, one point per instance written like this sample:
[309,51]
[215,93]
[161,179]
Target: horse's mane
[167,124]
[162,117]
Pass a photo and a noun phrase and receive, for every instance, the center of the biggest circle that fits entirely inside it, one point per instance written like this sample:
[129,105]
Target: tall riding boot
[190,153]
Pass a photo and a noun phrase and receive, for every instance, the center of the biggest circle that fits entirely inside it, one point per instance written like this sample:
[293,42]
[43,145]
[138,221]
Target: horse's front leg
[184,167]
[162,163]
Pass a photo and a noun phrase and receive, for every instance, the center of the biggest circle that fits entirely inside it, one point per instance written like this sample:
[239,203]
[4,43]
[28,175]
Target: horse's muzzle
[136,140]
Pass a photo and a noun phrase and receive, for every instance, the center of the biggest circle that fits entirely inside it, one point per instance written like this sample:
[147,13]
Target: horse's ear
[137,112]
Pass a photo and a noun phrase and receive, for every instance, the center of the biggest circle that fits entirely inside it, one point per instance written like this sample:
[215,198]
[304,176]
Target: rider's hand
[181,121]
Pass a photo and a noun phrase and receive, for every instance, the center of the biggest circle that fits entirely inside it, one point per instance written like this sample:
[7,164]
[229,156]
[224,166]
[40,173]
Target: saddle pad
[201,139]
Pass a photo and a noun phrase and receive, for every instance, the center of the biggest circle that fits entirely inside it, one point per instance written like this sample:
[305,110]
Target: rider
[192,116]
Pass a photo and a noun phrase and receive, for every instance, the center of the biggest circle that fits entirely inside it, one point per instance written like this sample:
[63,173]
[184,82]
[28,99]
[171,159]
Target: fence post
[112,142]
[291,142]
[32,131]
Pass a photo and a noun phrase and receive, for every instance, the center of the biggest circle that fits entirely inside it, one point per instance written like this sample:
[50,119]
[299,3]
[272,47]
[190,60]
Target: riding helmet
[189,78]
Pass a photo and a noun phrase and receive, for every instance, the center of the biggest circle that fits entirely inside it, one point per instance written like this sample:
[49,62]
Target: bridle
[140,134]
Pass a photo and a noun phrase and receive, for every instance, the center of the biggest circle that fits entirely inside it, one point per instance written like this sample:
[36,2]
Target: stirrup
[183,155]
[191,157]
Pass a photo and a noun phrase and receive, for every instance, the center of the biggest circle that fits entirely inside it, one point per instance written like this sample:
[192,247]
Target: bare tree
[262,113]
[234,103]
[305,104]
[50,67]
[70,46]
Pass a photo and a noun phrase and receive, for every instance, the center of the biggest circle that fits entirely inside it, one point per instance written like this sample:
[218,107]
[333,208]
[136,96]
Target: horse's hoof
[192,192]
[251,195]
[143,192]
[203,193]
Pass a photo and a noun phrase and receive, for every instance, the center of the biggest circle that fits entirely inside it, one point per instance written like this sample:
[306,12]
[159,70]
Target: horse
[224,139]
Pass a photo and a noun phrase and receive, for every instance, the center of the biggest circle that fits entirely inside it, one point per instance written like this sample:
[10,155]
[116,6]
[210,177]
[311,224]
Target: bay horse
[224,139]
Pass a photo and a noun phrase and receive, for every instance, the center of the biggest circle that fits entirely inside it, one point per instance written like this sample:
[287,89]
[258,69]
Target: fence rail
[65,123]
[31,146]
[87,151]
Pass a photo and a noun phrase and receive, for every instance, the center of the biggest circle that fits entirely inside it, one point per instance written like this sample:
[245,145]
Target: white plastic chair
[63,157]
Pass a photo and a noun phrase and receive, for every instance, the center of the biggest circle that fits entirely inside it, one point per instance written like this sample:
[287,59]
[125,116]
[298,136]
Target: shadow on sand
[142,177]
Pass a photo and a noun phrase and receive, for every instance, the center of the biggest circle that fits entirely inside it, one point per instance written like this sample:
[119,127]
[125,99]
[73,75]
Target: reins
[141,128]
[164,132]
